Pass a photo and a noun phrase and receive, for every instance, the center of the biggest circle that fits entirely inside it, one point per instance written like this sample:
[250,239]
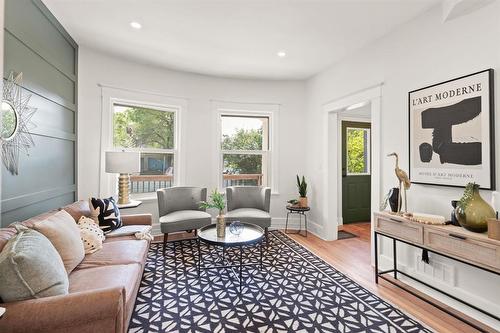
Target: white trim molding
[268,110]
[111,96]
[332,115]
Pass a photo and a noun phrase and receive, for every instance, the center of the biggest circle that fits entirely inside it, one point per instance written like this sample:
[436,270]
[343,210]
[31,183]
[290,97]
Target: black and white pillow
[105,212]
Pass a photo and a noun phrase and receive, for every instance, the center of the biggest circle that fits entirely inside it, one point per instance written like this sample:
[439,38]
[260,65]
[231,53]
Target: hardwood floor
[352,257]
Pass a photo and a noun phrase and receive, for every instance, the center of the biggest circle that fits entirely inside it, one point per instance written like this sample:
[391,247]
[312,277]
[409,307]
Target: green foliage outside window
[356,159]
[138,127]
[250,139]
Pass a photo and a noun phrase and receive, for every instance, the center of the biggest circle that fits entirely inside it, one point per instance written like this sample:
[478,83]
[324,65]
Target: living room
[165,104]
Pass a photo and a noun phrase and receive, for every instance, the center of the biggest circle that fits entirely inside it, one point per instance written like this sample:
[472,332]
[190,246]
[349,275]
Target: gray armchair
[249,204]
[179,210]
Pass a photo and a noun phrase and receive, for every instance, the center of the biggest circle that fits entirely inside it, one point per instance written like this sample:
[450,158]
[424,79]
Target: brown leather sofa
[102,289]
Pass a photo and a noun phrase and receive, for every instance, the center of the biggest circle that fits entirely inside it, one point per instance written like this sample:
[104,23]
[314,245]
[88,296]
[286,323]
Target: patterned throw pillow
[90,233]
[105,212]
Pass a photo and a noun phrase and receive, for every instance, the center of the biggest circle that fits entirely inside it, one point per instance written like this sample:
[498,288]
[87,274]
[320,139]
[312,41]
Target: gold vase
[221,226]
[474,216]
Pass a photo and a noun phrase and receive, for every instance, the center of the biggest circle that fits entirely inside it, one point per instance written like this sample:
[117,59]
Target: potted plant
[216,201]
[302,187]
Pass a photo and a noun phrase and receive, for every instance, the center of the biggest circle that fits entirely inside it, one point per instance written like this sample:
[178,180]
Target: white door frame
[343,118]
[331,161]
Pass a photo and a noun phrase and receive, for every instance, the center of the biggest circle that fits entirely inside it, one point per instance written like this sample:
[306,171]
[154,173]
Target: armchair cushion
[184,220]
[180,198]
[257,197]
[250,215]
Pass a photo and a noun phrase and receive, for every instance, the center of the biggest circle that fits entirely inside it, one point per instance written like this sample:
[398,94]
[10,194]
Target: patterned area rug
[294,292]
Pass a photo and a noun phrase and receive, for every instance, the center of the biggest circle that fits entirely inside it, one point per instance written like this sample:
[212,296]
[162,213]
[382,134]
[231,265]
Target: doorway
[356,171]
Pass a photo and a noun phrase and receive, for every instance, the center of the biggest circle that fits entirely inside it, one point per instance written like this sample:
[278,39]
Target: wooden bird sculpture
[403,179]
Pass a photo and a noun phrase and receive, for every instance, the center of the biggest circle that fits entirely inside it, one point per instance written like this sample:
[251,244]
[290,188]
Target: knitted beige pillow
[92,236]
[63,232]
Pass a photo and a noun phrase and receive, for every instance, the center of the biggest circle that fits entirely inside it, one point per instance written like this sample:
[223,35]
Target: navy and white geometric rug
[294,292]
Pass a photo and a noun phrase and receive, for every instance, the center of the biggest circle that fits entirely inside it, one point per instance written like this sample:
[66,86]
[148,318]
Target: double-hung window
[150,130]
[245,149]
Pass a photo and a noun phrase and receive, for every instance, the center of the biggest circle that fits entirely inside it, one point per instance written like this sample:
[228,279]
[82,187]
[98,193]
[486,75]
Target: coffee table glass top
[250,234]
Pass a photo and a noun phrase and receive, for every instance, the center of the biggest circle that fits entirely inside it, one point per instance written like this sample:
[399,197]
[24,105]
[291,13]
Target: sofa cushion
[30,267]
[184,220]
[105,212]
[8,233]
[130,230]
[250,215]
[104,277]
[64,234]
[78,209]
[117,253]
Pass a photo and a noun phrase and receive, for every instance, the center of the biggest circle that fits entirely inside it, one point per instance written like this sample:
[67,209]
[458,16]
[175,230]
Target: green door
[356,167]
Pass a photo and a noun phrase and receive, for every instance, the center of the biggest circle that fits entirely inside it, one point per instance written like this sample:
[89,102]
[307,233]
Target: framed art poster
[452,132]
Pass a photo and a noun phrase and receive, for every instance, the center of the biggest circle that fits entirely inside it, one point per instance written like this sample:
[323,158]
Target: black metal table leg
[261,255]
[286,224]
[241,266]
[375,242]
[394,258]
[199,255]
[305,217]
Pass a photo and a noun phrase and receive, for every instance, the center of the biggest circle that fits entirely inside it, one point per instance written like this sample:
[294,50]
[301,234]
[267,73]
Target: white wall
[422,52]
[2,17]
[198,133]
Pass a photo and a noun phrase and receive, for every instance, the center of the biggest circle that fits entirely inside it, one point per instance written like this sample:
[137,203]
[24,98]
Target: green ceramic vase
[473,211]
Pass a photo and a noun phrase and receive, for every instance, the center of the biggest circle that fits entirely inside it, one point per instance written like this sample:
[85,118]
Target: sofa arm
[88,311]
[142,219]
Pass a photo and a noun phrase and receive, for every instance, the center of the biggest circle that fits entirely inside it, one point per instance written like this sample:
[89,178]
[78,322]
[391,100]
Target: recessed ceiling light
[281,54]
[135,25]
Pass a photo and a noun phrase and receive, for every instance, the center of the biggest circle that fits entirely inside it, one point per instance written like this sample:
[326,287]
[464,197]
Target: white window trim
[111,96]
[368,155]
[270,111]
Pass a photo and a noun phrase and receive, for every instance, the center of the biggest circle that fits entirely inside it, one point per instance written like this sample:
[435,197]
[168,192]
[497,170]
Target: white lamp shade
[123,162]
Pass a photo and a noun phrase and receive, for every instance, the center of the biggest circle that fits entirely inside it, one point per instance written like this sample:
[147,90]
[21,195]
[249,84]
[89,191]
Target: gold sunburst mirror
[16,123]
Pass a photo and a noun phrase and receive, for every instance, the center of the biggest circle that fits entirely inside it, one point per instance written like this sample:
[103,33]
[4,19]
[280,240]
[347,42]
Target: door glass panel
[358,151]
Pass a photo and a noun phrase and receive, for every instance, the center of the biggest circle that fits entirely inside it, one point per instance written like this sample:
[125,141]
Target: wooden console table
[456,243]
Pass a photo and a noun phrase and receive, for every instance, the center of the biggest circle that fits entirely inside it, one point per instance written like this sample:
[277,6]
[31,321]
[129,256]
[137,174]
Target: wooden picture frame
[451,132]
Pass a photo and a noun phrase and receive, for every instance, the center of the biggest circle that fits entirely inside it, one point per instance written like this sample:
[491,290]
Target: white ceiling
[234,38]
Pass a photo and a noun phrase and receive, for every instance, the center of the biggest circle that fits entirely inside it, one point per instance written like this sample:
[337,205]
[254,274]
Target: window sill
[145,197]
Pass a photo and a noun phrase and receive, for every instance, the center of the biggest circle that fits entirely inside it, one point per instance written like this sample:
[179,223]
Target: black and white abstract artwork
[452,132]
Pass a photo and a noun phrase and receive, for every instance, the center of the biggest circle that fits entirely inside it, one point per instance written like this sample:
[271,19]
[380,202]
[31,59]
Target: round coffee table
[250,235]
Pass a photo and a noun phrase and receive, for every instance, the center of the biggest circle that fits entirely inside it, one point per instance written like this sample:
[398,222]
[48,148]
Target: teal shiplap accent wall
[39,47]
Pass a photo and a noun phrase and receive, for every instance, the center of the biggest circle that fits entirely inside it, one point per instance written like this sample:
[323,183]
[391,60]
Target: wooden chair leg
[195,232]
[267,235]
[165,238]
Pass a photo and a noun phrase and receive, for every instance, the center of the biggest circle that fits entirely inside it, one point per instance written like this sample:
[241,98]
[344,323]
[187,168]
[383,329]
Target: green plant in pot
[216,201]
[302,187]
[473,211]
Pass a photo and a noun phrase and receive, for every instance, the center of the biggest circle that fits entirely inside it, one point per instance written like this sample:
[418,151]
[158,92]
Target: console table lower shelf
[404,231]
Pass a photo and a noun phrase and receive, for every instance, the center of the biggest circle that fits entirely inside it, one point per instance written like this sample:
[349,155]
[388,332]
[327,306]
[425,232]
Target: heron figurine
[403,180]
